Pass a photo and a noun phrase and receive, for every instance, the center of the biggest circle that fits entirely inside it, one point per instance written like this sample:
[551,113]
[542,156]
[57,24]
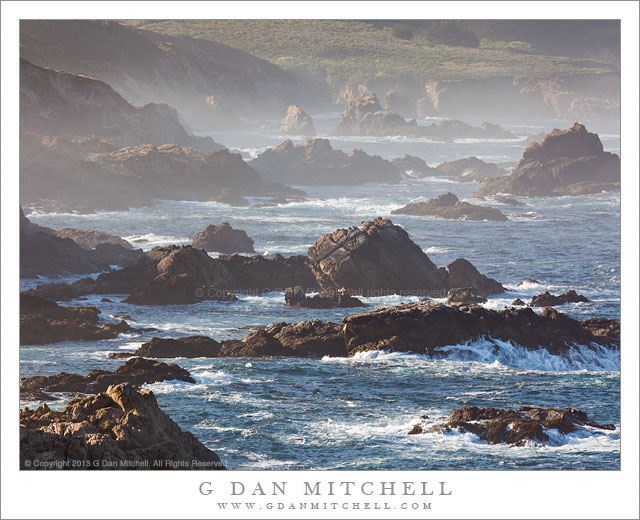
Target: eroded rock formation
[449,206]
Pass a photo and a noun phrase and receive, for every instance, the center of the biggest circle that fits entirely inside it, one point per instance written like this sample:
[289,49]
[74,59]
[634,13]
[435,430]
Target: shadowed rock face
[223,239]
[121,424]
[43,322]
[316,162]
[565,162]
[550,300]
[380,258]
[423,328]
[298,122]
[296,297]
[55,102]
[136,371]
[449,206]
[511,427]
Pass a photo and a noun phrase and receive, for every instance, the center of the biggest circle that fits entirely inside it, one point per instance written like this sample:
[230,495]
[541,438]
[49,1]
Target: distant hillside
[208,83]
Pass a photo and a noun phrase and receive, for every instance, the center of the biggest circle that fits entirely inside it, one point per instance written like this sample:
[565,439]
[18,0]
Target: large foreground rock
[423,328]
[449,206]
[121,428]
[316,162]
[565,162]
[379,258]
[223,239]
[43,322]
[136,371]
[297,122]
[516,428]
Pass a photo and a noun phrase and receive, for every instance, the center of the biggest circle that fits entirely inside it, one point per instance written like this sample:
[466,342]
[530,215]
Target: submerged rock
[136,371]
[379,259]
[549,300]
[43,322]
[223,239]
[565,162]
[516,428]
[316,162]
[296,297]
[121,428]
[449,206]
[424,328]
[297,122]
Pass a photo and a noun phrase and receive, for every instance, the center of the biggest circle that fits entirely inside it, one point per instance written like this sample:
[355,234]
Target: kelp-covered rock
[120,428]
[449,206]
[570,161]
[516,428]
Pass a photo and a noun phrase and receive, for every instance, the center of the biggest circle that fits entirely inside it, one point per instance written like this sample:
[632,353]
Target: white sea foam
[497,355]
[150,240]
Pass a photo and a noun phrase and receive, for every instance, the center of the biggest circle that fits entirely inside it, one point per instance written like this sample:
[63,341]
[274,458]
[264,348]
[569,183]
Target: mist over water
[337,413]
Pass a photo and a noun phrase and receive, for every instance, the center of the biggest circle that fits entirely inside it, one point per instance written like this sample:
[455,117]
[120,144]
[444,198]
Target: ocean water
[336,413]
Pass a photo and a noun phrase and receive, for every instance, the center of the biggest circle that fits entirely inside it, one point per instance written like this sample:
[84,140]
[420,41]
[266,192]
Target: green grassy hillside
[357,51]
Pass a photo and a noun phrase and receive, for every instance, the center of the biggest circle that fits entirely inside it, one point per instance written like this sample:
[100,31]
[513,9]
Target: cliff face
[55,102]
[145,66]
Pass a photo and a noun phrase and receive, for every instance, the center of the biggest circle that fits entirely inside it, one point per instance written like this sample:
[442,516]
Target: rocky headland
[565,162]
[449,206]
[120,428]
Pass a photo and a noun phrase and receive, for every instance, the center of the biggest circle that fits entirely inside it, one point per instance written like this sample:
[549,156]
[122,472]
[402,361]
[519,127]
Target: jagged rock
[449,206]
[257,274]
[549,300]
[424,328]
[171,275]
[564,162]
[296,297]
[470,169]
[380,259]
[121,428]
[518,303]
[607,329]
[415,167]
[466,296]
[316,162]
[297,122]
[305,339]
[516,428]
[223,239]
[189,347]
[136,371]
[43,322]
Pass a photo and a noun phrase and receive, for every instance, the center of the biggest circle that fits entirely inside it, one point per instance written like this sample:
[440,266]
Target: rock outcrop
[464,296]
[305,339]
[516,428]
[90,239]
[424,328]
[550,300]
[223,239]
[415,167]
[296,297]
[189,347]
[43,322]
[171,275]
[297,122]
[120,428]
[470,169]
[379,258]
[316,162]
[258,274]
[449,206]
[364,116]
[565,162]
[136,371]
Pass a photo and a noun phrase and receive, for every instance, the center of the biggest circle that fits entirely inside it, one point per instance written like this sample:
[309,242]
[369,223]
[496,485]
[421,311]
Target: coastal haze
[317,244]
